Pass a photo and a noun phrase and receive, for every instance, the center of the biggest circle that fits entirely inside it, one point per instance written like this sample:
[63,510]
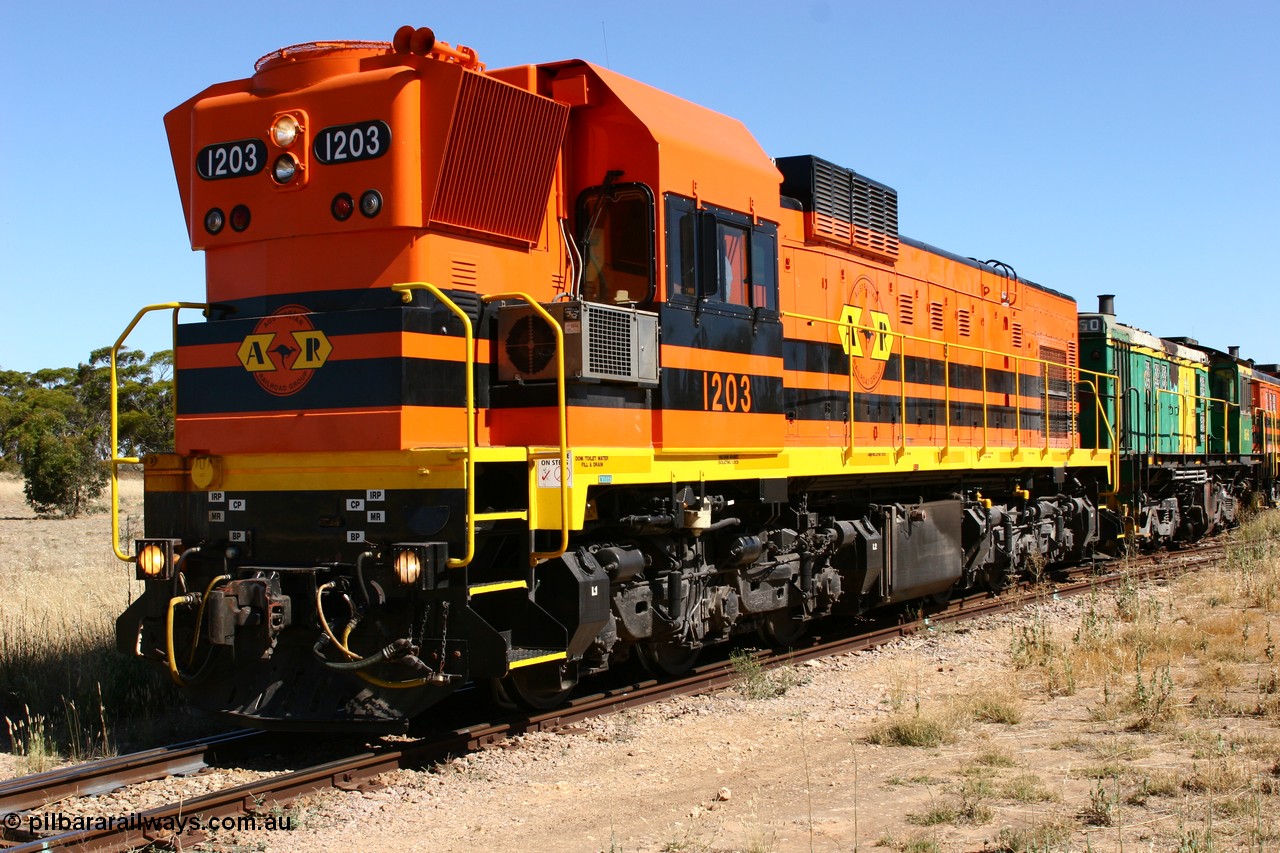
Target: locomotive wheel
[534,691]
[666,658]
[780,629]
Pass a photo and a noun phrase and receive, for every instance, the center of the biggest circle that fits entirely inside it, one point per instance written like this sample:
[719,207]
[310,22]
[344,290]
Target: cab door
[721,331]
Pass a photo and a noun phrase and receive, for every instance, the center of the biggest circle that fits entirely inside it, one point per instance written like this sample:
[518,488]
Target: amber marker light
[407,566]
[416,564]
[284,130]
[155,558]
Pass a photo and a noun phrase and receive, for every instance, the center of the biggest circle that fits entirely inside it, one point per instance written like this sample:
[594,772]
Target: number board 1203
[350,143]
[237,159]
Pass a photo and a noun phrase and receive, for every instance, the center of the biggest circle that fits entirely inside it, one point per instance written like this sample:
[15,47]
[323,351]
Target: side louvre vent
[906,309]
[1017,335]
[935,317]
[463,271]
[963,322]
[499,160]
[842,207]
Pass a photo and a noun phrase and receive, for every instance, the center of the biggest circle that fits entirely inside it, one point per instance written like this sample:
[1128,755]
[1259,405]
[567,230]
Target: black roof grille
[846,208]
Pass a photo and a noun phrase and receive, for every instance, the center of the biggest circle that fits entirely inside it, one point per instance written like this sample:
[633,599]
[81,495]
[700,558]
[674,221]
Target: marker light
[407,566]
[371,203]
[418,565]
[155,558]
[239,217]
[342,207]
[214,220]
[284,131]
[285,167]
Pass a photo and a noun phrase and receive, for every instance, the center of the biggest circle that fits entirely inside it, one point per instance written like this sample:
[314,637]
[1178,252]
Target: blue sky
[1126,148]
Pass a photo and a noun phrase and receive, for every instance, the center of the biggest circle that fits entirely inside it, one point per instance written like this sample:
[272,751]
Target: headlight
[214,220]
[284,131]
[285,167]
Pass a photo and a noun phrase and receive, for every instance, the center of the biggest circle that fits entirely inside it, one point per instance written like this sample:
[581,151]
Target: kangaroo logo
[284,350]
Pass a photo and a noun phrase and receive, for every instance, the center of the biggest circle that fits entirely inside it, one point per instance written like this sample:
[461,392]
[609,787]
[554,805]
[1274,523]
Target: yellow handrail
[469,466]
[853,421]
[850,328]
[1113,467]
[946,383]
[562,407]
[902,396]
[1226,404]
[116,459]
[1267,422]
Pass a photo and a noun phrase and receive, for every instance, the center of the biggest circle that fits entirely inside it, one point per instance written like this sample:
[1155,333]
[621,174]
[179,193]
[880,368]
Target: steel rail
[108,774]
[358,771]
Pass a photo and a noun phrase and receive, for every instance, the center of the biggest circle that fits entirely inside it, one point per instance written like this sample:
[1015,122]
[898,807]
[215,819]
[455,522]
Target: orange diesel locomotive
[507,376]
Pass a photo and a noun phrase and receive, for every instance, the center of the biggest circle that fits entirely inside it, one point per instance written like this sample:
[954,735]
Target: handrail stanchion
[985,403]
[469,465]
[116,459]
[562,410]
[946,382]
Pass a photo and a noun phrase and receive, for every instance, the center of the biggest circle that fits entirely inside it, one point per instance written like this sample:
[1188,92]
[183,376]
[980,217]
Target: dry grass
[1169,665]
[65,691]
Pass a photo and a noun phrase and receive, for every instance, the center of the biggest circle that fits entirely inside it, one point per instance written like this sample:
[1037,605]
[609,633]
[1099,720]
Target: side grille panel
[500,160]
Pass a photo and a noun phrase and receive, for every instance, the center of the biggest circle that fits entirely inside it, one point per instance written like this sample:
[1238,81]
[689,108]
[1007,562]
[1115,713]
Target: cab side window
[734,274]
[616,241]
[720,257]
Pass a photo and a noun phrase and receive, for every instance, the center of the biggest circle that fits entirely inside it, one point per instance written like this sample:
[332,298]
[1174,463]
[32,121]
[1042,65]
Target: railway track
[108,774]
[172,826]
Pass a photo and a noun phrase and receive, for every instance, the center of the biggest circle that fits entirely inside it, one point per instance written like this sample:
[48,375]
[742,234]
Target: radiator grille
[845,207]
[1059,389]
[875,216]
[499,160]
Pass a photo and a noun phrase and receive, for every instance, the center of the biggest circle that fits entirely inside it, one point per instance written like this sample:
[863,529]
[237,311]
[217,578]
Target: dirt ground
[1024,750]
[798,772]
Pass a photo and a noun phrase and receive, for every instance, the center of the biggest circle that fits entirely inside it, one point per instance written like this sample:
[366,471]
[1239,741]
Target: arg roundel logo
[868,336]
[284,350]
